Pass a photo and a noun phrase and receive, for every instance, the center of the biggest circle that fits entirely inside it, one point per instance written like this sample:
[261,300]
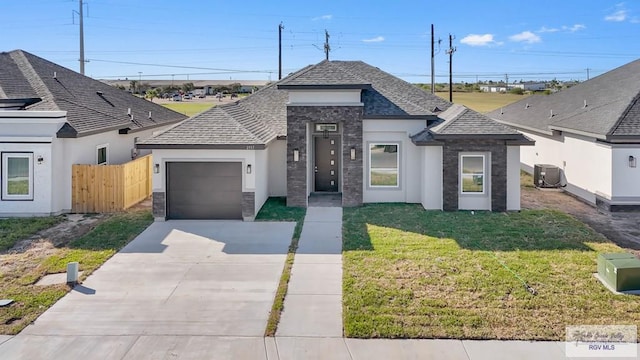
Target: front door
[327,154]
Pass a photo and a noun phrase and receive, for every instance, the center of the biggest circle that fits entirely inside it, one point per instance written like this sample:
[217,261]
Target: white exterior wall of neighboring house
[513,178]
[432,178]
[626,179]
[32,133]
[277,167]
[410,163]
[586,164]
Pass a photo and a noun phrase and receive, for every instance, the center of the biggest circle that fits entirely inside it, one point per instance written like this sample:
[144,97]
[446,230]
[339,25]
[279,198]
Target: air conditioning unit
[546,176]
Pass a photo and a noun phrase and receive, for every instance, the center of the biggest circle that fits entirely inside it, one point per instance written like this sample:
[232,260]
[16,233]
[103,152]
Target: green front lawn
[410,273]
[189,108]
[14,229]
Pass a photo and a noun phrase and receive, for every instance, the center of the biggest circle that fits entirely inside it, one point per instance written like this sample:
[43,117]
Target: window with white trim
[102,154]
[17,176]
[384,160]
[472,174]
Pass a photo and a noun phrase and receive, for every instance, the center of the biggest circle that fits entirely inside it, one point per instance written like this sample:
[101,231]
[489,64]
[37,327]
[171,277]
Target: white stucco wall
[42,190]
[277,167]
[33,132]
[475,201]
[586,164]
[513,178]
[432,177]
[261,167]
[324,97]
[626,179]
[410,169]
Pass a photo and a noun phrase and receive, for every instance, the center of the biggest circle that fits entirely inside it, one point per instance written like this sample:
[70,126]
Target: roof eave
[524,127]
[324,87]
[202,146]
[427,117]
[623,138]
[578,132]
[478,136]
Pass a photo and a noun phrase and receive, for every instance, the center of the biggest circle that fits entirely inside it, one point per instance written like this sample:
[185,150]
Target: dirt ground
[621,228]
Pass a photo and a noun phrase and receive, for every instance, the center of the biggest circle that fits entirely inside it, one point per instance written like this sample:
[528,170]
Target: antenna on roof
[585,103]
[55,74]
[129,112]
[149,114]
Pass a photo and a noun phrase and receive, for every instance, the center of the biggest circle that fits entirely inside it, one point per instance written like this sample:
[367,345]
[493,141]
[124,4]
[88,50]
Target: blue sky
[198,39]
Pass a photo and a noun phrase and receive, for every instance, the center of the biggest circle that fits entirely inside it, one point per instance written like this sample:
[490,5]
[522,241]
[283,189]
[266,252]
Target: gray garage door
[204,190]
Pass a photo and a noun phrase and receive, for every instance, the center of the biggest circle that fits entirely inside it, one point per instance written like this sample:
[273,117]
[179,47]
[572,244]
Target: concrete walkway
[313,305]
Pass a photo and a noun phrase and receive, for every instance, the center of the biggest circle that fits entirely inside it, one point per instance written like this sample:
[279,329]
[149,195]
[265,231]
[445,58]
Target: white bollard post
[72,273]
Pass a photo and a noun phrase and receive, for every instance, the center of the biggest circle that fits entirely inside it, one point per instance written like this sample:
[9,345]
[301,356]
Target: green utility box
[621,271]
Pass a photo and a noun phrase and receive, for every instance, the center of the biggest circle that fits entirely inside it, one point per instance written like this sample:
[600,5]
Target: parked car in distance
[188,97]
[176,97]
[202,96]
[234,95]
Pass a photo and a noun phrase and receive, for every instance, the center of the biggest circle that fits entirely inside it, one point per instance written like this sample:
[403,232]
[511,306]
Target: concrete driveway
[203,285]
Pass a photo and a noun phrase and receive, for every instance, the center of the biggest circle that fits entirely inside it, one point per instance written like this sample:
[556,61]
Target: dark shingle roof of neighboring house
[459,122]
[92,106]
[612,108]
[260,118]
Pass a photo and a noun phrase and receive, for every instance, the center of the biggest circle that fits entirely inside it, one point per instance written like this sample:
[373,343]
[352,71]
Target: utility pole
[433,63]
[506,82]
[327,48]
[450,51]
[81,16]
[588,73]
[280,27]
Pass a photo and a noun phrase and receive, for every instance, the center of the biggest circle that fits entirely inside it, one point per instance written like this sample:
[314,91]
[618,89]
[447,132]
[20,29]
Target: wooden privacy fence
[110,188]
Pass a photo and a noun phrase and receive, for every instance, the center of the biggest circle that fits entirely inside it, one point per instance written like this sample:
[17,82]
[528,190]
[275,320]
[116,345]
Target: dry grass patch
[483,101]
[21,269]
[410,273]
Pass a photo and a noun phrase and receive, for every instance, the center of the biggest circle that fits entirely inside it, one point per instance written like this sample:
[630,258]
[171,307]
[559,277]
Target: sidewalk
[313,305]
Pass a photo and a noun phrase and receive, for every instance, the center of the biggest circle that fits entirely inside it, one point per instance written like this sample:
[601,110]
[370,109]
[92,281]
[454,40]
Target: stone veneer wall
[450,171]
[248,206]
[350,118]
[159,207]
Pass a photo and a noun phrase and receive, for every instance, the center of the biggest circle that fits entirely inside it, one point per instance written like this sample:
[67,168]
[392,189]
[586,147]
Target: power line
[183,67]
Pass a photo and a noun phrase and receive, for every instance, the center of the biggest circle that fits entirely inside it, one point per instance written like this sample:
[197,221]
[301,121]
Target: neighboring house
[530,86]
[493,88]
[591,131]
[51,118]
[335,127]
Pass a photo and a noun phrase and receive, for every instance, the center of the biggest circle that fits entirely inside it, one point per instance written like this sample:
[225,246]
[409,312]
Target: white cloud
[373,40]
[479,40]
[526,36]
[323,17]
[574,27]
[545,29]
[617,16]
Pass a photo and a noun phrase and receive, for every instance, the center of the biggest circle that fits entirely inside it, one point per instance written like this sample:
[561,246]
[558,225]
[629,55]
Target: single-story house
[51,118]
[591,131]
[338,127]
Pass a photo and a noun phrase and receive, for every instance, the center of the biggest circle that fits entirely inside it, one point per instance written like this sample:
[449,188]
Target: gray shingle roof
[261,117]
[91,105]
[612,106]
[459,121]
